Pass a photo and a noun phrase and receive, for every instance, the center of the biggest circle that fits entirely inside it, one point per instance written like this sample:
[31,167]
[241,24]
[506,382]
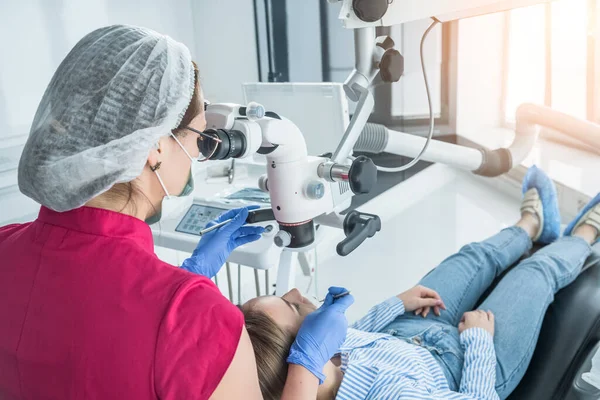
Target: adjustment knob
[391,66]
[385,42]
[263,183]
[370,10]
[255,111]
[282,239]
[315,190]
[362,175]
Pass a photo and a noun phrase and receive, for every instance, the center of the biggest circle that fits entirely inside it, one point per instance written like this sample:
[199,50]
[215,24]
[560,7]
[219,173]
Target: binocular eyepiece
[227,144]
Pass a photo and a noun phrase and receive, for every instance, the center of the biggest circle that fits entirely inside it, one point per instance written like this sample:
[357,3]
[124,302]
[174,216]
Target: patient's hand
[422,299]
[477,319]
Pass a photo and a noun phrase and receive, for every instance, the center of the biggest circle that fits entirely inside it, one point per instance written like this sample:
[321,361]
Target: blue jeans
[519,302]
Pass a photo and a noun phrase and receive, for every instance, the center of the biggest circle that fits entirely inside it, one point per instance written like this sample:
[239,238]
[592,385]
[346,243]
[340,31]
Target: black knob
[391,66]
[385,42]
[362,175]
[370,10]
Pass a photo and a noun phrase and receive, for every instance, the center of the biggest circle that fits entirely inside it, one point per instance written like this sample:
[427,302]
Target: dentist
[87,310]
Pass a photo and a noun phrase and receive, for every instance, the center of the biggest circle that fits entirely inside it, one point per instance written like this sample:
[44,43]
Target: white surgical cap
[118,91]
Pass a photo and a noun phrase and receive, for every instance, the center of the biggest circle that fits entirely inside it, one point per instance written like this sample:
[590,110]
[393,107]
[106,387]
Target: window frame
[593,61]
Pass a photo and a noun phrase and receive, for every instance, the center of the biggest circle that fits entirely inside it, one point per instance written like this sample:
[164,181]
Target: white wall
[37,35]
[341,45]
[480,71]
[304,40]
[225,47]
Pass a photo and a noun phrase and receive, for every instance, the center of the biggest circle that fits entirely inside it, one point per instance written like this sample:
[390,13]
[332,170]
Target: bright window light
[526,59]
[569,56]
[528,50]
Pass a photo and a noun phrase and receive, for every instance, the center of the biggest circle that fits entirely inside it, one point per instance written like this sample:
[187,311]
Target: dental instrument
[254,216]
[337,296]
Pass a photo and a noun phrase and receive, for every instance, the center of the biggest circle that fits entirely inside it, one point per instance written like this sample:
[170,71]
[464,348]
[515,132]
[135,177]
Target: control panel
[182,231]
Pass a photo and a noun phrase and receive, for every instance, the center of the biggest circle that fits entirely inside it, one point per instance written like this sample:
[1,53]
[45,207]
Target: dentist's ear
[163,144]
[156,153]
[154,156]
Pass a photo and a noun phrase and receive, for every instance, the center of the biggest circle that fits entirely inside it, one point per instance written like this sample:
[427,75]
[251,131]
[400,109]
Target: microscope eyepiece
[233,144]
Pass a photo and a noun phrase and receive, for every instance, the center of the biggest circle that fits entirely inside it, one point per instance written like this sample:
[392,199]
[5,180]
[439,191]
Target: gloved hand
[215,247]
[321,334]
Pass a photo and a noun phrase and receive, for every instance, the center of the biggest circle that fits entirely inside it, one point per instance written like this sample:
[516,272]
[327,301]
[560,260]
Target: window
[551,58]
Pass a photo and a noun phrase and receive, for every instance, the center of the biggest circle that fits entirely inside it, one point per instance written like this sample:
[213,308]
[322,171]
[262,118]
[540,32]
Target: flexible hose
[373,139]
[431,117]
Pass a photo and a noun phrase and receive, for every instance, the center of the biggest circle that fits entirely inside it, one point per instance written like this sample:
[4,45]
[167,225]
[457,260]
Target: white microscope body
[302,188]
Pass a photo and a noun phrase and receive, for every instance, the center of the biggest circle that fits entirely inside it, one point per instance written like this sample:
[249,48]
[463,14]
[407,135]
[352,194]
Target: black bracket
[358,227]
[261,215]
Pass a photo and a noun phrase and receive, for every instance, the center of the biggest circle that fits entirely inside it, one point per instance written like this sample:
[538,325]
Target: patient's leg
[521,299]
[463,277]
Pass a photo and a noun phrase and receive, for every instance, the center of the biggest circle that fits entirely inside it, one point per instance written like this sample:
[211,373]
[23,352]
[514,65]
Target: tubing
[377,138]
[582,130]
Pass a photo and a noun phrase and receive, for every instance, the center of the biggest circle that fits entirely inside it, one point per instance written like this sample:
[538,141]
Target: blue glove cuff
[196,265]
[299,358]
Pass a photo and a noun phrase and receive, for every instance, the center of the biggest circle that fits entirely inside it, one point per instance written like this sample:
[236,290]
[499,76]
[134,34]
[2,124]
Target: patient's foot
[587,224]
[530,223]
[587,233]
[539,208]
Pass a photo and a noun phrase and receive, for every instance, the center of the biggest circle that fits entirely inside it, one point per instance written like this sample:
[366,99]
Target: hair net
[118,91]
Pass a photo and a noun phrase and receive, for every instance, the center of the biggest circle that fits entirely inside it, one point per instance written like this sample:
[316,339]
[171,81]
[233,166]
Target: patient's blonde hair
[271,348]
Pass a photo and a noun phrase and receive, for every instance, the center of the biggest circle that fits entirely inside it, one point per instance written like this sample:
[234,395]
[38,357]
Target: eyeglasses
[207,144]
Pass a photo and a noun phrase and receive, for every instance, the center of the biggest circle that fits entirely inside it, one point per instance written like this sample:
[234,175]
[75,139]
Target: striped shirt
[381,366]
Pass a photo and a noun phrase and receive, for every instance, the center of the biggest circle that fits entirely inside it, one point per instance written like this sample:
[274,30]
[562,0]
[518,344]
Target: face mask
[171,204]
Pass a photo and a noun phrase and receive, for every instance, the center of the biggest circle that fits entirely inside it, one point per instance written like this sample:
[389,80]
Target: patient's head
[271,346]
[272,323]
[287,311]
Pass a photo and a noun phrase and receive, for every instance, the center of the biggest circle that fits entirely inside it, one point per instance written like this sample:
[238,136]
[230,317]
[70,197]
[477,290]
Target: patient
[426,343]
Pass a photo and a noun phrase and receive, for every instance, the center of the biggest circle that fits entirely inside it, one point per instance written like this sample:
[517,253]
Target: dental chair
[569,338]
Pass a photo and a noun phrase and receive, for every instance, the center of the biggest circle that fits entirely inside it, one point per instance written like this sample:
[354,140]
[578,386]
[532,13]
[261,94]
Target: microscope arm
[530,117]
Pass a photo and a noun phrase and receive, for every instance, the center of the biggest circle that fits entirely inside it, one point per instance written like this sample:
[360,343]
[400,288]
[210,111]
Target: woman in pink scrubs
[87,310]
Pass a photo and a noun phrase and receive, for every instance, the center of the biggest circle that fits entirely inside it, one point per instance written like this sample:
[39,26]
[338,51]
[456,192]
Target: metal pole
[229,285]
[325,59]
[257,39]
[267,282]
[256,282]
[239,284]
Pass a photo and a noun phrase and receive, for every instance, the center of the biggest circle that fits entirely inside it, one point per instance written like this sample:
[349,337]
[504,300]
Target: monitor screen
[319,110]
[197,217]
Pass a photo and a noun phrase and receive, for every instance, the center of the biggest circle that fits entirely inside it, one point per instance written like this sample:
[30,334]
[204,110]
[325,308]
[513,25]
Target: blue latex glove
[321,334]
[216,246]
